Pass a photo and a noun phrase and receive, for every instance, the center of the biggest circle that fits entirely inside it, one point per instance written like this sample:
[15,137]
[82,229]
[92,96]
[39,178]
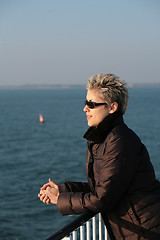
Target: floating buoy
[41,119]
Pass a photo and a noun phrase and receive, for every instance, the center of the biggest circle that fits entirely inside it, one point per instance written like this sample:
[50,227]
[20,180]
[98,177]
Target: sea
[32,152]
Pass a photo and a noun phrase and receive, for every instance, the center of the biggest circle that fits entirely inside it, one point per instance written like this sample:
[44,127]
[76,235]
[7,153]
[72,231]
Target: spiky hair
[112,89]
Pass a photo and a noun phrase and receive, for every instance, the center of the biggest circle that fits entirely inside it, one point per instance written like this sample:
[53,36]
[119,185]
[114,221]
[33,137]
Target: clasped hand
[49,192]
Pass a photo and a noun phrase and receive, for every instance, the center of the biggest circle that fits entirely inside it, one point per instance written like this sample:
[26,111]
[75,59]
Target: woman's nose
[85,109]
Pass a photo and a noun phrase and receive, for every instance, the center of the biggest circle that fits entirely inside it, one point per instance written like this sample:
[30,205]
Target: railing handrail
[70,227]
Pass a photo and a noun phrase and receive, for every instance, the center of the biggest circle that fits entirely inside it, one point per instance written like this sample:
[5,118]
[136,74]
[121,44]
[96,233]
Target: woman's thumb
[53,183]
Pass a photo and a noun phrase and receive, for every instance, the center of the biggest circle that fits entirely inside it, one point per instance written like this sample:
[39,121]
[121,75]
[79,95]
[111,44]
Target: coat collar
[99,133]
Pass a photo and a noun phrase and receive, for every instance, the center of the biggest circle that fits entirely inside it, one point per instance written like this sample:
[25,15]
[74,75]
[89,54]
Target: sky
[67,41]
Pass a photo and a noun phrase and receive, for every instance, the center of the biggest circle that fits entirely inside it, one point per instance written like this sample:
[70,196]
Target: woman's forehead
[93,94]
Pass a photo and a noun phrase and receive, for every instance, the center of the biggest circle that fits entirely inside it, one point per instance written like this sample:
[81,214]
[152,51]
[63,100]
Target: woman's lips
[88,117]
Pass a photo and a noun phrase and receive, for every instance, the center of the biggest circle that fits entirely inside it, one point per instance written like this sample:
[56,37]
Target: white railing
[92,229]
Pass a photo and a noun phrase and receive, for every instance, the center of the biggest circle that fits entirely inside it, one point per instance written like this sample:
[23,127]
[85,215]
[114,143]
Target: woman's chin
[90,124]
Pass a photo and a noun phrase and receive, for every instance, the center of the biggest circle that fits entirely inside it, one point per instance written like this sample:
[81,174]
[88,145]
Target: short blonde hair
[112,89]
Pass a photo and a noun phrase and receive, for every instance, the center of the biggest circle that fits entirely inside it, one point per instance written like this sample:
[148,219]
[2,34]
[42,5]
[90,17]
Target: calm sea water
[31,152]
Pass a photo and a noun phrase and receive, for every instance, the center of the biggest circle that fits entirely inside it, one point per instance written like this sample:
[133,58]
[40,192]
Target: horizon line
[67,86]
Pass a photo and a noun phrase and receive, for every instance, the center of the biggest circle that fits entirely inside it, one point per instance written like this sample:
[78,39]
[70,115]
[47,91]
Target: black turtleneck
[99,133]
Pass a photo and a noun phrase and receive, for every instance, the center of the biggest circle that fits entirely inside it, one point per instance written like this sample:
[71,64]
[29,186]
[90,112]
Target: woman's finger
[53,184]
[48,201]
[42,197]
[45,186]
[45,199]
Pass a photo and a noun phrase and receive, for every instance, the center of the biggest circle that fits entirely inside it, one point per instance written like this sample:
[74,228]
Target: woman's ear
[113,107]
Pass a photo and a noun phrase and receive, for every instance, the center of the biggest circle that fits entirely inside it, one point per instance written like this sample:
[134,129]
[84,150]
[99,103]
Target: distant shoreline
[68,86]
[43,86]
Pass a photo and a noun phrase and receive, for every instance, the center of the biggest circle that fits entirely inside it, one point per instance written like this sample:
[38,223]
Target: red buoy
[41,119]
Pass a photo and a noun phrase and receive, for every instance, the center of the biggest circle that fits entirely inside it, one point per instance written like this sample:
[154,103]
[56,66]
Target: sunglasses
[91,104]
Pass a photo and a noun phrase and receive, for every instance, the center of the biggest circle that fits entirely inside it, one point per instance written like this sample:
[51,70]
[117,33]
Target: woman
[121,179]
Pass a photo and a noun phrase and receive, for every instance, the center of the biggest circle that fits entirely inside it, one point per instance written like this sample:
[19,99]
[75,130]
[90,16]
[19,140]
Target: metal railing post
[105,233]
[100,227]
[88,230]
[82,232]
[74,234]
[94,227]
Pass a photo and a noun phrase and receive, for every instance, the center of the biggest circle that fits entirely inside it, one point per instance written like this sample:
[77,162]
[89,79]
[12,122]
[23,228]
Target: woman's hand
[43,197]
[52,194]
[49,192]
[49,184]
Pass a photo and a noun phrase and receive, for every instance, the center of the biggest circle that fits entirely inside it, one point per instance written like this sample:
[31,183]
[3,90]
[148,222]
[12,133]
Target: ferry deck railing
[87,226]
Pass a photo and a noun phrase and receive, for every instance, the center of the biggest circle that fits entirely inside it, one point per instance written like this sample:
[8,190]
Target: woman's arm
[50,191]
[74,187]
[118,168]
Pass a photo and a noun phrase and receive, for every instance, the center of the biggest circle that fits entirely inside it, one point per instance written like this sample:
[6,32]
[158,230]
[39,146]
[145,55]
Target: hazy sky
[67,41]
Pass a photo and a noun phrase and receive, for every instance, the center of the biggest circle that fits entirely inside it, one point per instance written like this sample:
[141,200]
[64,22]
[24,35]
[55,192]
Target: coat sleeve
[118,166]
[74,187]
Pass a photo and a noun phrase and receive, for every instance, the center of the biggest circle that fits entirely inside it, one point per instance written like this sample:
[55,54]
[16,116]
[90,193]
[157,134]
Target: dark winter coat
[121,183]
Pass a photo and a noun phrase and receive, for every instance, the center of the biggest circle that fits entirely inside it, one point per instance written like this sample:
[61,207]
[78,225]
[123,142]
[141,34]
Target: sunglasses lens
[89,104]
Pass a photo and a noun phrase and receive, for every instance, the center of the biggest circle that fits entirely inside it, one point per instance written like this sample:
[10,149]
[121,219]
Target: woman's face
[97,114]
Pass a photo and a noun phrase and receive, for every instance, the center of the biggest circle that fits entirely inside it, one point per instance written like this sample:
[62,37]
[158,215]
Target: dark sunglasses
[91,104]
